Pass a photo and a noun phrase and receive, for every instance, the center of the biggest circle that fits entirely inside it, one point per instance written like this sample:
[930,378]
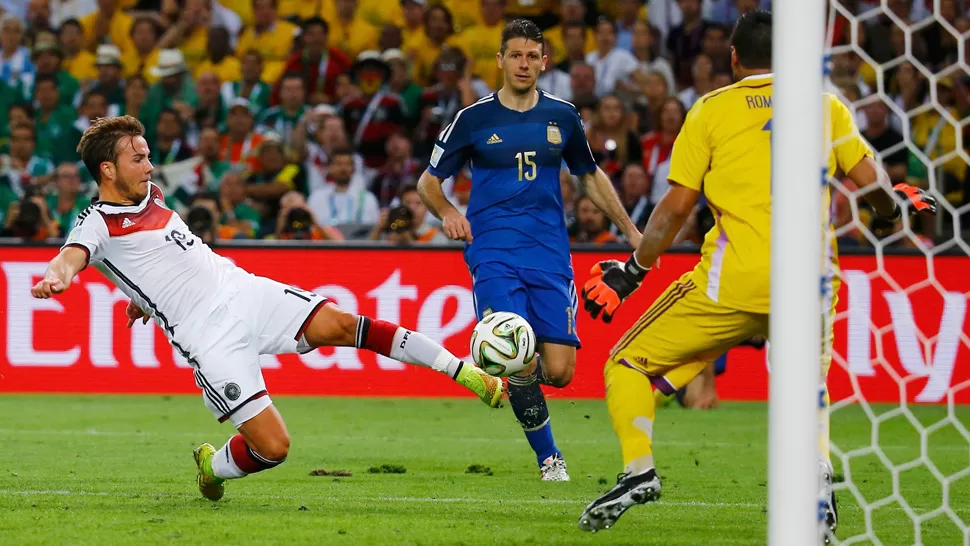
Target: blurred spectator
[169,146]
[275,177]
[57,139]
[175,89]
[374,115]
[658,144]
[885,141]
[68,201]
[627,13]
[591,224]
[271,36]
[78,61]
[38,18]
[685,40]
[94,105]
[318,64]
[571,35]
[400,82]
[376,13]
[722,78]
[423,232]
[540,11]
[412,31]
[22,168]
[395,226]
[108,24]
[189,32]
[14,57]
[201,221]
[251,87]
[716,44]
[478,43]
[582,84]
[220,59]
[441,101]
[702,74]
[48,56]
[611,63]
[391,37]
[235,207]
[635,195]
[553,79]
[28,220]
[648,60]
[568,185]
[239,144]
[293,225]
[574,40]
[210,111]
[611,138]
[283,118]
[648,104]
[343,203]
[108,82]
[136,93]
[212,168]
[143,55]
[400,170]
[439,29]
[349,31]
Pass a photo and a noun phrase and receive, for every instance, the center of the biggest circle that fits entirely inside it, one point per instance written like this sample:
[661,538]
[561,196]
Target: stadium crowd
[313,119]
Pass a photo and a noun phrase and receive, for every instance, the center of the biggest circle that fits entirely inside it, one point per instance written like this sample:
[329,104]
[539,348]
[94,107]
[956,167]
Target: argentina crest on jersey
[553,135]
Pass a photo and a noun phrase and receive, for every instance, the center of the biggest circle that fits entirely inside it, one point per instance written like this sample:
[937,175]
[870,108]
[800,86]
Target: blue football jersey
[515,209]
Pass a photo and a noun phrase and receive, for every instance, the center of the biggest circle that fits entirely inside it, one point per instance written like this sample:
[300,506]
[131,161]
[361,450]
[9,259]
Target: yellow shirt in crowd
[724,150]
[466,13]
[553,36]
[81,66]
[275,44]
[376,13]
[195,47]
[228,70]
[480,44]
[353,38]
[133,64]
[119,30]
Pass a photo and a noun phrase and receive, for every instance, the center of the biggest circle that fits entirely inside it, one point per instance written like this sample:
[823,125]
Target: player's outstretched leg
[331,326]
[262,443]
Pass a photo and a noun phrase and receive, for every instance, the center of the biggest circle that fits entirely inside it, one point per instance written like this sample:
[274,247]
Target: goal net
[900,375]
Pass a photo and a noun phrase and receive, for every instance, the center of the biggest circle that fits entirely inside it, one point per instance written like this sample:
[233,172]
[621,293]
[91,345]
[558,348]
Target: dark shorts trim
[256,396]
[309,318]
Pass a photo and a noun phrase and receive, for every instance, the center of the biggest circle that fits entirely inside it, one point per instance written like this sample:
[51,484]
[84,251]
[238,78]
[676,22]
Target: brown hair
[99,143]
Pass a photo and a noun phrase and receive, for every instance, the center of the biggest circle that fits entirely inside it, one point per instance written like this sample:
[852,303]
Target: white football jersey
[150,254]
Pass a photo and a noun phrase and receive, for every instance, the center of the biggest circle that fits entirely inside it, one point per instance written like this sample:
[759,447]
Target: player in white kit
[219,316]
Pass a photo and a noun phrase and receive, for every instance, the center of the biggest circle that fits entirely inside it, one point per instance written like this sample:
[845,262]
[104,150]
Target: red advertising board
[901,328]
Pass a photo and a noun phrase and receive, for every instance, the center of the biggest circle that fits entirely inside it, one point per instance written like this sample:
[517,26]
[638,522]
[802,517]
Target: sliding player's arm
[447,158]
[83,245]
[61,270]
[853,156]
[600,191]
[613,281]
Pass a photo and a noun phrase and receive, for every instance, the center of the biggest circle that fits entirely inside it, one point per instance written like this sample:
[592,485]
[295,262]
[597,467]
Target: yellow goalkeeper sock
[632,410]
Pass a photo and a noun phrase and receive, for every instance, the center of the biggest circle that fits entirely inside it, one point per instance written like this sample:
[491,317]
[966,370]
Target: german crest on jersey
[553,135]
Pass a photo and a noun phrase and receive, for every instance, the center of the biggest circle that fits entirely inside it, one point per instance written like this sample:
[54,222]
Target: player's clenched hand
[47,287]
[134,313]
[611,283]
[456,226]
[914,198]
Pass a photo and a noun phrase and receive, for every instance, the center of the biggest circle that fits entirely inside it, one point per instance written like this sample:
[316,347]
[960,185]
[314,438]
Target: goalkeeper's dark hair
[752,39]
[522,28]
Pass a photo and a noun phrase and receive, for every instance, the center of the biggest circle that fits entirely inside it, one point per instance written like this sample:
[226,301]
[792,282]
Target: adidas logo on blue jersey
[494,139]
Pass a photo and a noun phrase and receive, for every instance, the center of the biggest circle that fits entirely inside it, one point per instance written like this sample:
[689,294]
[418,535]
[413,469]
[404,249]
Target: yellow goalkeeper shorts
[684,330]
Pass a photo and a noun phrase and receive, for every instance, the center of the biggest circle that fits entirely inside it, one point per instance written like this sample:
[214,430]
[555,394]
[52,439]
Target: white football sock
[416,348]
[224,467]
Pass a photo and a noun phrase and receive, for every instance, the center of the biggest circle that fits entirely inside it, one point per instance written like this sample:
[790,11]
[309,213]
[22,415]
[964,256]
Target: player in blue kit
[517,249]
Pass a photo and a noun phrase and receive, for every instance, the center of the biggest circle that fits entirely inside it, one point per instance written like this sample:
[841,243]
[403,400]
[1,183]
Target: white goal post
[797,181]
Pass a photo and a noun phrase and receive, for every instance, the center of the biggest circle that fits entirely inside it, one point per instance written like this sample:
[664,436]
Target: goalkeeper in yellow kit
[724,150]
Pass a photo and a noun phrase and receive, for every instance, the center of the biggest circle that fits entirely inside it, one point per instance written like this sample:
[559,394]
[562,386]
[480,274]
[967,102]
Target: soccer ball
[503,344]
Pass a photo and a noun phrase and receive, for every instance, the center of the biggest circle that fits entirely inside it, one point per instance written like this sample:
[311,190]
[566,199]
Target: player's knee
[276,447]
[332,326]
[558,373]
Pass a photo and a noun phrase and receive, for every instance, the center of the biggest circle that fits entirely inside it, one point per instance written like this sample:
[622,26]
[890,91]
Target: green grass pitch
[119,470]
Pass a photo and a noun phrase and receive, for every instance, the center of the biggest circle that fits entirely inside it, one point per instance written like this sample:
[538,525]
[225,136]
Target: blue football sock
[529,406]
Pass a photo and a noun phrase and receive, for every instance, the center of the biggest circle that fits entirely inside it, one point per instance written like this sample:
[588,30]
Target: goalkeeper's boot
[211,486]
[630,490]
[553,469]
[488,388]
[828,509]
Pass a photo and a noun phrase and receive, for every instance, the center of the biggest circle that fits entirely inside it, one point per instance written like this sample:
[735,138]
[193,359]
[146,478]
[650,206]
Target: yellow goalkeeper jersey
[724,150]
